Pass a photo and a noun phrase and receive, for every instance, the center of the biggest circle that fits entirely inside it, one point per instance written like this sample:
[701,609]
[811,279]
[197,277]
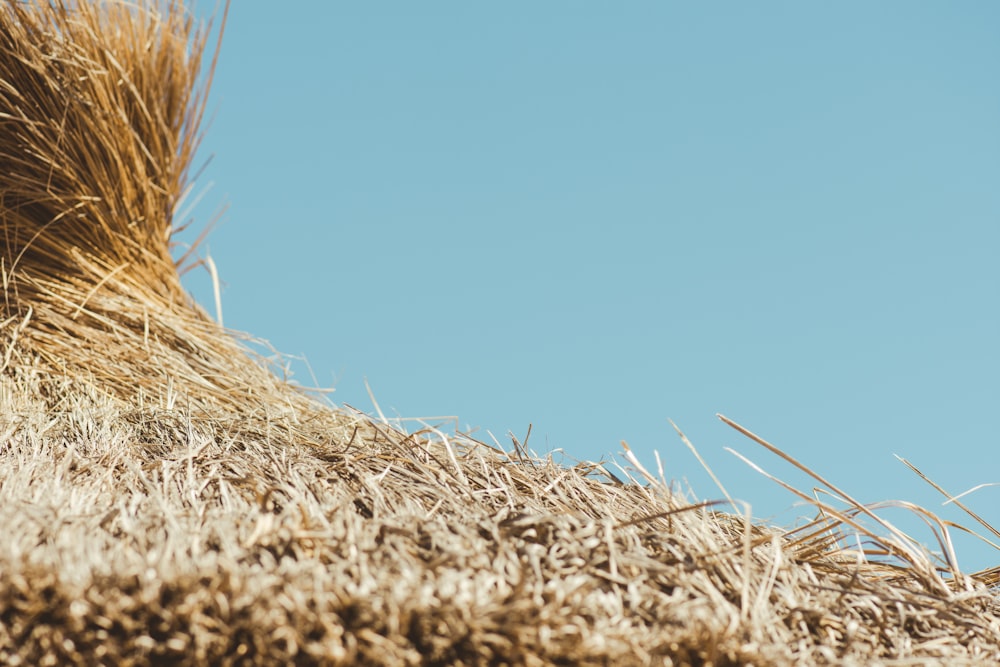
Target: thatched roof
[165,499]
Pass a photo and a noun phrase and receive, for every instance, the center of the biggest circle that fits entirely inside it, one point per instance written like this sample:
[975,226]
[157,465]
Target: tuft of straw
[165,499]
[100,105]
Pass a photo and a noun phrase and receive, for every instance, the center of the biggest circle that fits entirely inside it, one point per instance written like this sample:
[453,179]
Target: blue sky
[595,217]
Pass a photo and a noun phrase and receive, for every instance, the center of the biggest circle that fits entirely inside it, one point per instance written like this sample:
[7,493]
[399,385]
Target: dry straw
[165,499]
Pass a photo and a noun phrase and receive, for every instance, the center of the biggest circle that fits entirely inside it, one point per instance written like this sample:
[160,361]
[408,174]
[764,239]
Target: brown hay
[164,499]
[99,110]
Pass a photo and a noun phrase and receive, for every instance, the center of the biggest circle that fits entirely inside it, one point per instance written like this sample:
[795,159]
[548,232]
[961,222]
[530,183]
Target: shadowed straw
[165,499]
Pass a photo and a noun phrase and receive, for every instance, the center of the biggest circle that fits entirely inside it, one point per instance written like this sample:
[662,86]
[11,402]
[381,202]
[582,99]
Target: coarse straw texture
[166,499]
[99,115]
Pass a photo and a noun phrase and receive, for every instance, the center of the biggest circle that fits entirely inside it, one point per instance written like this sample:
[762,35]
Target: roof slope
[166,499]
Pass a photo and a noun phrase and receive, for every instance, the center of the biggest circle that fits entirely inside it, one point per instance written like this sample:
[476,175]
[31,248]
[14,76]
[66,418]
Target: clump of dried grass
[99,111]
[164,499]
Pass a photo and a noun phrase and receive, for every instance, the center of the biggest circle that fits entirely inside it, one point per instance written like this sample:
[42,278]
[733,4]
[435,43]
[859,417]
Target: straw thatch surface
[164,499]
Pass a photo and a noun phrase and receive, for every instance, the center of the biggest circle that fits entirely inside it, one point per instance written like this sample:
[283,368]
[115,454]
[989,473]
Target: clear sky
[595,217]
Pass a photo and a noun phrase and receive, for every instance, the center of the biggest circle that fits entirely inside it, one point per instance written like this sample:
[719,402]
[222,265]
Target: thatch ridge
[166,499]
